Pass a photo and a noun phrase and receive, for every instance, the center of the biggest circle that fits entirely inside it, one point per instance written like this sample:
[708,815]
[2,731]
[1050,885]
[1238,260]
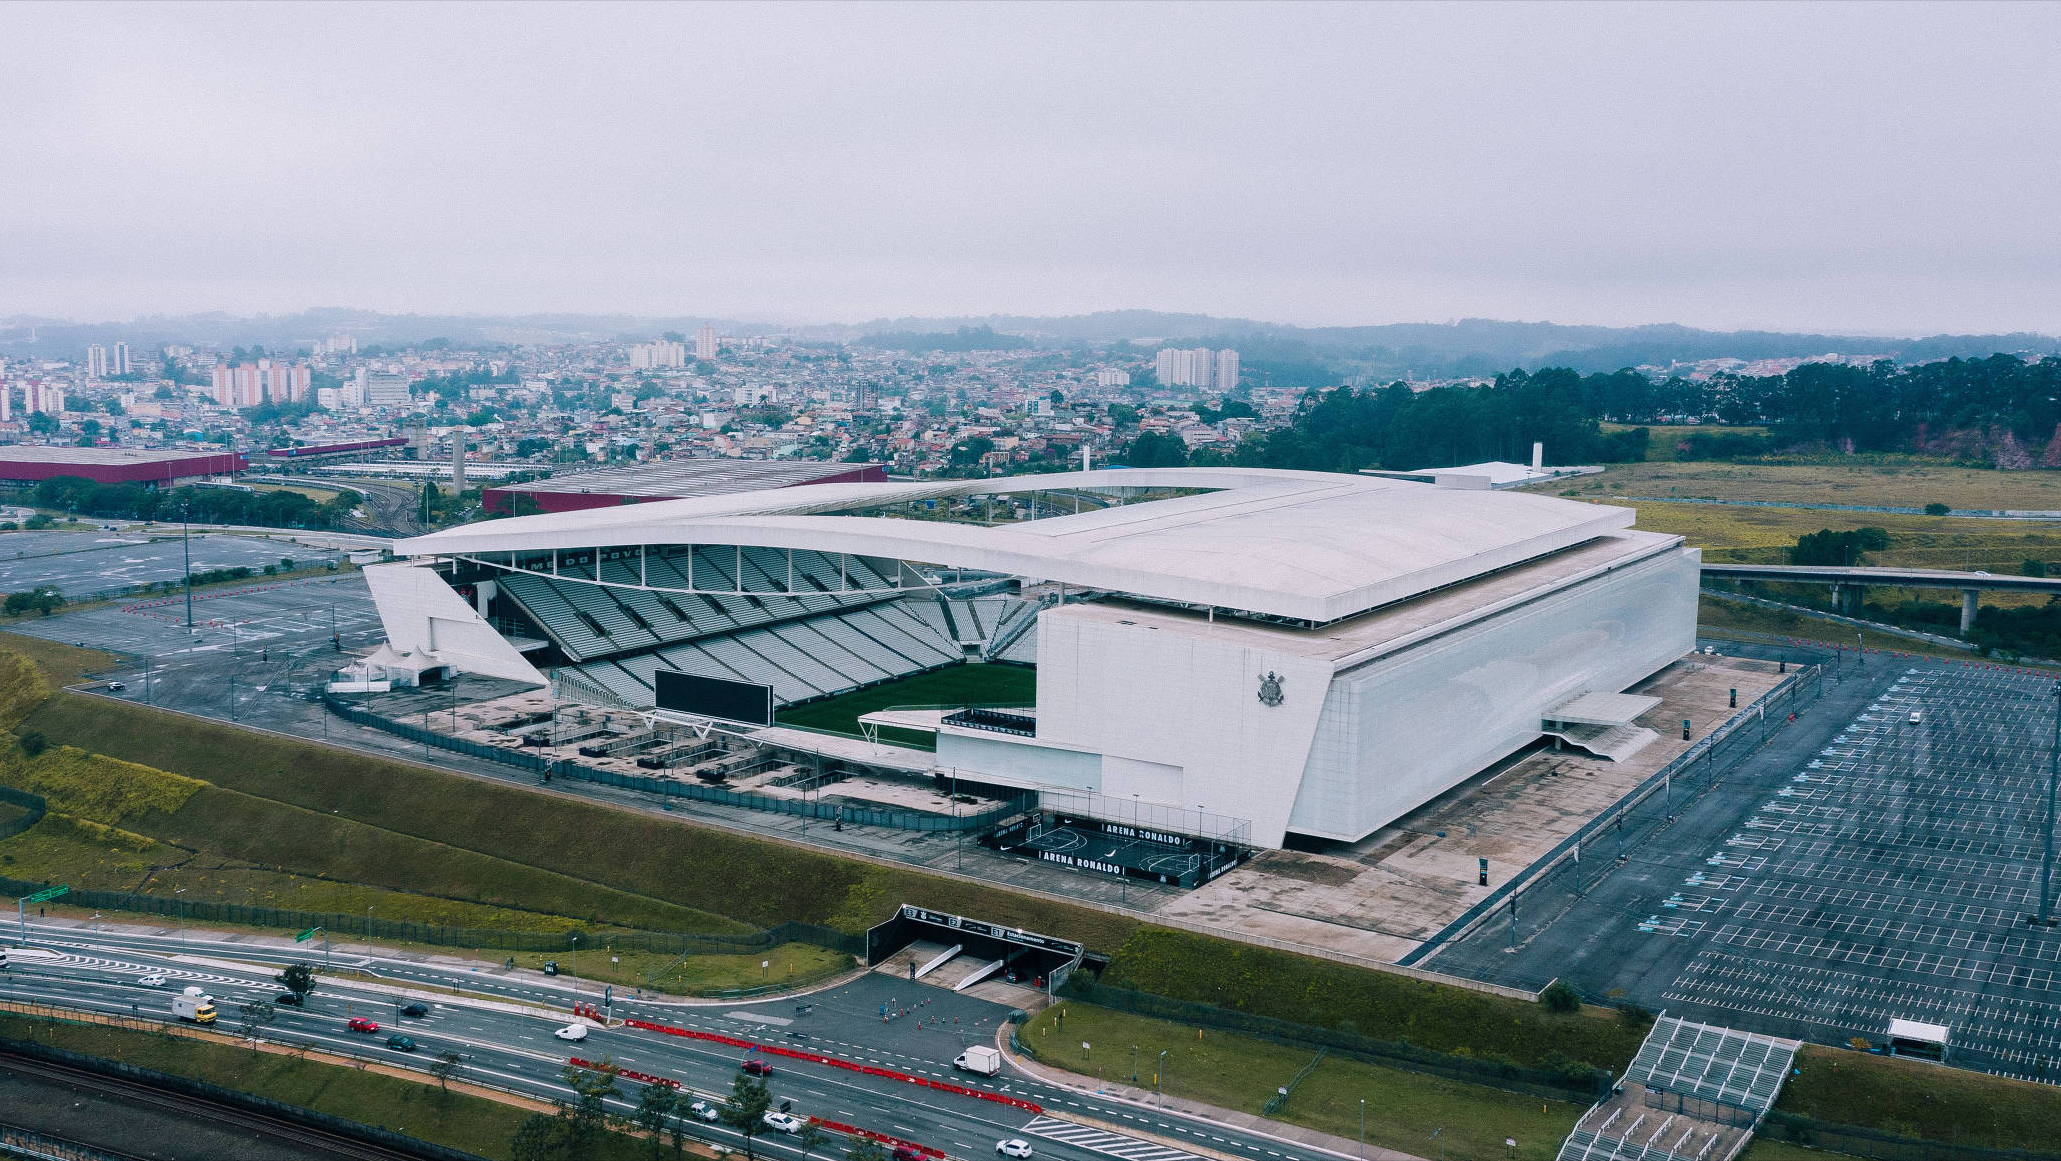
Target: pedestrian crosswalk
[1113,1144]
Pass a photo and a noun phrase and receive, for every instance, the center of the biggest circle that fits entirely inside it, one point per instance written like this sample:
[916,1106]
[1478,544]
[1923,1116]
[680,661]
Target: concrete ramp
[903,964]
[939,960]
[978,974]
[1615,743]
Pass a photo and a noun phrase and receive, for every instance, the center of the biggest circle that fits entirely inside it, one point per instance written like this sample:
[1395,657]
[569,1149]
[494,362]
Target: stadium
[1296,655]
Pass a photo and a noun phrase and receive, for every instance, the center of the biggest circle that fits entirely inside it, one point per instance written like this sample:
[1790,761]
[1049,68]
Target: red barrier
[883,1138]
[646,1077]
[834,1062]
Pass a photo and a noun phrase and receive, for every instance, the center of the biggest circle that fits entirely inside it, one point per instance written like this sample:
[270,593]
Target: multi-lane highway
[503,1024]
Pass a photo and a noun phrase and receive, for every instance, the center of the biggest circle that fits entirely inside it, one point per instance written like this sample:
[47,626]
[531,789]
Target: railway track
[316,1141]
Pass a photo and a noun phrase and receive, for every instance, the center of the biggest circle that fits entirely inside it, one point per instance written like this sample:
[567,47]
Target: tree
[745,1109]
[656,1104]
[865,1149]
[811,1138]
[540,1137]
[298,978]
[44,599]
[586,1118]
[1153,449]
[444,1067]
[1560,997]
[43,423]
[255,1015]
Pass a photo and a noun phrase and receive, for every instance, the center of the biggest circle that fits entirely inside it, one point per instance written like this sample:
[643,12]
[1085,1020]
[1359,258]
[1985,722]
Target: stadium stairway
[1694,1092]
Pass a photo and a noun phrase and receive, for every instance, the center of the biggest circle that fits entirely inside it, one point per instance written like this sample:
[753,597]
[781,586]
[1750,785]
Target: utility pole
[186,545]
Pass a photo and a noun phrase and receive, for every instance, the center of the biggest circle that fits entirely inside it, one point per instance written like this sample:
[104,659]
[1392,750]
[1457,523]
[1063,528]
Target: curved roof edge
[1313,546]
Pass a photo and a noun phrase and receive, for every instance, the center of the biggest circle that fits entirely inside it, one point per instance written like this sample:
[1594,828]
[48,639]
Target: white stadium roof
[1312,546]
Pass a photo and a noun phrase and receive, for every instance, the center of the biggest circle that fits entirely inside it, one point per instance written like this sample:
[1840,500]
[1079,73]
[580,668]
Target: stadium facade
[1314,654]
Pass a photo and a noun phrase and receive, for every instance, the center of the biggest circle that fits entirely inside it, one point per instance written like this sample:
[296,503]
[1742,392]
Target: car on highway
[289,999]
[415,1011]
[907,1153]
[785,1122]
[152,981]
[400,1043]
[115,687]
[755,1068]
[572,1032]
[704,1111]
[361,1024]
[1013,1147]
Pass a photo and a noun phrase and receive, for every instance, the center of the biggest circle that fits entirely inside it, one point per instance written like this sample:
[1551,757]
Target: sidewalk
[1147,1098]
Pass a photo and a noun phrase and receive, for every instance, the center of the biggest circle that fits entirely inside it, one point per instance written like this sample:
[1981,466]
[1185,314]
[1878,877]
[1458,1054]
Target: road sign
[307,935]
[608,995]
[47,893]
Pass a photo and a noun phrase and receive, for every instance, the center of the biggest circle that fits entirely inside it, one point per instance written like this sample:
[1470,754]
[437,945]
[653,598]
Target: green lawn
[1922,1100]
[457,1120]
[989,684]
[1238,1072]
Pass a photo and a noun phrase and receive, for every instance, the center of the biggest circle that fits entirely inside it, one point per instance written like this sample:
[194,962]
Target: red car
[362,1025]
[756,1068]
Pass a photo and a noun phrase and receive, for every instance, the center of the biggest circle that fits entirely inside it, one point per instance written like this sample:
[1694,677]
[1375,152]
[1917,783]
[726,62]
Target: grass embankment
[1241,1072]
[954,685]
[1714,616]
[1879,481]
[457,1120]
[1922,1100]
[1305,990]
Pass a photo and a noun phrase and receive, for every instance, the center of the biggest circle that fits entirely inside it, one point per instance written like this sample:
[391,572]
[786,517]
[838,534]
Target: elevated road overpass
[1850,582]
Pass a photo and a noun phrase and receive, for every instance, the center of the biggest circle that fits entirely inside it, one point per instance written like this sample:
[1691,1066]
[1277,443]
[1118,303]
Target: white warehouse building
[1312,654]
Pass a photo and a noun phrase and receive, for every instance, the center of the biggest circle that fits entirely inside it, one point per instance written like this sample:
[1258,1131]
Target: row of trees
[578,1127]
[273,509]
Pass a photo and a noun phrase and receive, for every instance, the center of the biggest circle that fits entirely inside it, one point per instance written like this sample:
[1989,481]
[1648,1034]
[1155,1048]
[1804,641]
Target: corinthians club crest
[1270,689]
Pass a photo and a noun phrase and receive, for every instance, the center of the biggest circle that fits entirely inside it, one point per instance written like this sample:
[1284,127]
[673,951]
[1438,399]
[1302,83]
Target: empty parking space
[89,564]
[259,615]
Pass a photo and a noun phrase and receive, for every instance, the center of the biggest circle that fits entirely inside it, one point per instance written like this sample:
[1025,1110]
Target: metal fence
[667,789]
[33,803]
[349,926]
[1580,1085]
[202,1091]
[1856,1141]
[1570,870]
[20,1142]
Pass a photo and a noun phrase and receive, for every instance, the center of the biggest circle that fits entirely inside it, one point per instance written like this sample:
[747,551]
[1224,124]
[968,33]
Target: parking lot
[260,615]
[1883,871]
[86,564]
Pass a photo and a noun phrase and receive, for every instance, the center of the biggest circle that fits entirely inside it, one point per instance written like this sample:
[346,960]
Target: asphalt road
[514,1048]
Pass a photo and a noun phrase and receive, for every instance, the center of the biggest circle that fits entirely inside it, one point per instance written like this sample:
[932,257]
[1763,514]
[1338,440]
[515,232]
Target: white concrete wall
[1020,761]
[1404,729]
[1181,716]
[422,614]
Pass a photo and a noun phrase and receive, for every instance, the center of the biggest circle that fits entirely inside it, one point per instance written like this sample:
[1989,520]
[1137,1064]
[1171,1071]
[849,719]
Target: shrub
[34,743]
[1561,997]
[1937,509]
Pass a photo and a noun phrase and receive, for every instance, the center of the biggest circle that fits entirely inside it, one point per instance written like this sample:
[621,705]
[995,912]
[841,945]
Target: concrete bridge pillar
[1967,610]
[1848,598]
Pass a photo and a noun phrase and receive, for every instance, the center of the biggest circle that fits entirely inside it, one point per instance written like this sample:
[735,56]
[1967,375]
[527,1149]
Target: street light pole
[186,545]
[1159,1075]
[180,893]
[1363,1126]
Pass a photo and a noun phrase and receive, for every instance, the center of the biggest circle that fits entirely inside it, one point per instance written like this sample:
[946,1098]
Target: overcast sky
[1886,169]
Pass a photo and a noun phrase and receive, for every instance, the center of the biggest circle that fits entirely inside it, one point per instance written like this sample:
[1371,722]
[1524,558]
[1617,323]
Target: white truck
[195,1006]
[981,1059]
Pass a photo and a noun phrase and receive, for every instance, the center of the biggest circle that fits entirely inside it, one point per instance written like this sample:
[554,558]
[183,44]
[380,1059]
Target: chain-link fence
[1855,1141]
[347,926]
[667,789]
[204,1093]
[1577,1083]
[1570,870]
[33,808]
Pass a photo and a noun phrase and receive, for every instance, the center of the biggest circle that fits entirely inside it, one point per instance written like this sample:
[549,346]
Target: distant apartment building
[650,356]
[1227,370]
[96,362]
[385,391]
[751,396]
[263,381]
[1112,378]
[705,344]
[41,398]
[119,363]
[1199,367]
